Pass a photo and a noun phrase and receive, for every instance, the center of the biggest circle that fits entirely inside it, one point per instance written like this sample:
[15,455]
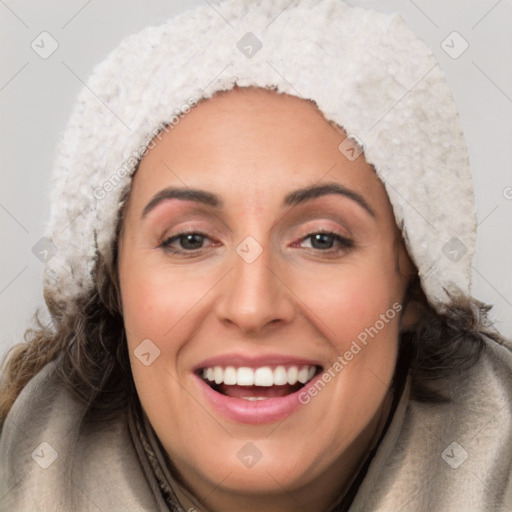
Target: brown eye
[188,241]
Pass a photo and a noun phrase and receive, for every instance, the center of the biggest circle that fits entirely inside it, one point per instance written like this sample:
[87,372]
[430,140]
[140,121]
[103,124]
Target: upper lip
[239,360]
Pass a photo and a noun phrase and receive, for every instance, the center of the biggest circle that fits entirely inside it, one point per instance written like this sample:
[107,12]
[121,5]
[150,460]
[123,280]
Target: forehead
[250,144]
[259,99]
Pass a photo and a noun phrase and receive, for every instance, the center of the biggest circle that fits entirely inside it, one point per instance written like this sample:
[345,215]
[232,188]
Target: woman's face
[254,253]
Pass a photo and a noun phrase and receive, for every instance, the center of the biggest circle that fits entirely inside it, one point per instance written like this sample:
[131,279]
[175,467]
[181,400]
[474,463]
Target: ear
[411,315]
[413,309]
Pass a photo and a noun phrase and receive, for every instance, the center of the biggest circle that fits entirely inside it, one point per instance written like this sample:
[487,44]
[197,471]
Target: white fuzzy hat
[365,70]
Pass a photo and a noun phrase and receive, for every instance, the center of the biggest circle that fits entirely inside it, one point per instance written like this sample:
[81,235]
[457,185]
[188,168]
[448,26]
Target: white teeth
[245,376]
[254,398]
[263,376]
[280,376]
[303,375]
[230,376]
[292,375]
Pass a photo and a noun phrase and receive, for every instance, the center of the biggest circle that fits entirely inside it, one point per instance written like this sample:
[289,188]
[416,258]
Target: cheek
[157,306]
[154,300]
[351,300]
[141,304]
[358,313]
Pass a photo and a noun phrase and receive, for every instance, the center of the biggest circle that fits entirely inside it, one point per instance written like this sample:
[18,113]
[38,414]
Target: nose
[254,294]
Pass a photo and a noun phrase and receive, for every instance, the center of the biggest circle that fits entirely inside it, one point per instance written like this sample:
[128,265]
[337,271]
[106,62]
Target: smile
[255,395]
[228,380]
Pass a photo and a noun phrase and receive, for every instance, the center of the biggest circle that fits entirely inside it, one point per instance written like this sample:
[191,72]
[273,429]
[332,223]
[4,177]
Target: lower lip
[256,412]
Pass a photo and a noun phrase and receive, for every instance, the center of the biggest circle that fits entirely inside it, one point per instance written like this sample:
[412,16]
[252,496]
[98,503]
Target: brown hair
[87,341]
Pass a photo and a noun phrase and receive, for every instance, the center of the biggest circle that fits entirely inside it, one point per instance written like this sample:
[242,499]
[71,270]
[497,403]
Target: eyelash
[344,242]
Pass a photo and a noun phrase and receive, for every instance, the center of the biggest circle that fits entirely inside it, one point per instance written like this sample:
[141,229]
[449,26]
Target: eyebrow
[293,198]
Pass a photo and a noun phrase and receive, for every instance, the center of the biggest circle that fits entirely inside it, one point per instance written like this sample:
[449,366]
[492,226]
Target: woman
[260,293]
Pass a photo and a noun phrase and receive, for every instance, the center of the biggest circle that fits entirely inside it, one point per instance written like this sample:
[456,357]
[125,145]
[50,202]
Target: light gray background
[36,97]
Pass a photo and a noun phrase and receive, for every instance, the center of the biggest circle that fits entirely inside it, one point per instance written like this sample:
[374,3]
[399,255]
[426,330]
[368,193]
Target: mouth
[260,383]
